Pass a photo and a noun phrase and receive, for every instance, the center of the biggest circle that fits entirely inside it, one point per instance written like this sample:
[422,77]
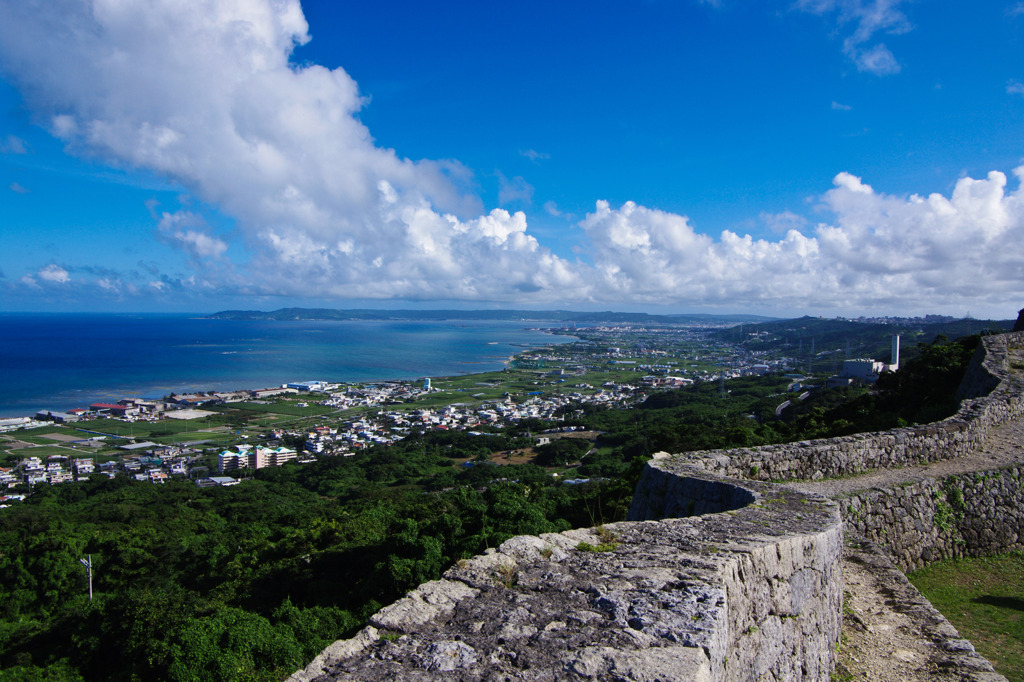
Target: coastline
[385,351]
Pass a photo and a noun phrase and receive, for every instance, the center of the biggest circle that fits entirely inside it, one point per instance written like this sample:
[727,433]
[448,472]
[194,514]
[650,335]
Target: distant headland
[562,316]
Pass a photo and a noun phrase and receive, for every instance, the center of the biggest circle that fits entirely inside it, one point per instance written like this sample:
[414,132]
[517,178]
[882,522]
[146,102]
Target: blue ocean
[62,361]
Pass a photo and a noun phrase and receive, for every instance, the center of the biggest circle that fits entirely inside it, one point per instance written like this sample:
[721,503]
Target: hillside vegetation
[250,582]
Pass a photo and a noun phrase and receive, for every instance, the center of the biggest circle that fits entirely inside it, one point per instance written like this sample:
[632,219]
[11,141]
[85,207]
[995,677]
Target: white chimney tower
[895,353]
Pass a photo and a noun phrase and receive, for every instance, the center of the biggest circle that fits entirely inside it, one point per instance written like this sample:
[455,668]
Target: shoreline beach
[234,356]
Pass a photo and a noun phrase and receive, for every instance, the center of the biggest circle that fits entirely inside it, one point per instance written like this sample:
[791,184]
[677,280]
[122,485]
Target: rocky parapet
[992,392]
[750,593]
[750,588]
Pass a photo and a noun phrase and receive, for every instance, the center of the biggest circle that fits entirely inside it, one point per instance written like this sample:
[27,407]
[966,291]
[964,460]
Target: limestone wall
[667,489]
[783,597]
[973,514]
[992,392]
[751,592]
[712,578]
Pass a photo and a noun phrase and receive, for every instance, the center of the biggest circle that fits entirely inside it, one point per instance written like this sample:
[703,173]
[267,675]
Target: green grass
[45,451]
[602,547]
[33,437]
[984,599]
[289,408]
[197,435]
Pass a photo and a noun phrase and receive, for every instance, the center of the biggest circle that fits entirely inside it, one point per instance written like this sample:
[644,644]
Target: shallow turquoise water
[62,361]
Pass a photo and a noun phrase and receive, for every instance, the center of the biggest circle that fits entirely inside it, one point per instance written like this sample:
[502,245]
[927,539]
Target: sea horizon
[61,361]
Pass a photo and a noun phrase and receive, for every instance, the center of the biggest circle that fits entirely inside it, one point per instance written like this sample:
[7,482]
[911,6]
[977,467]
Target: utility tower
[88,567]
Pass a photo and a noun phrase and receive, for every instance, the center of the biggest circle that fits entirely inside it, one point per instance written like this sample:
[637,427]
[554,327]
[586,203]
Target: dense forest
[251,581]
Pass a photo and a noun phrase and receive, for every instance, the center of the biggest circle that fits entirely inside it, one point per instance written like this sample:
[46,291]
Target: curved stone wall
[745,584]
[992,392]
[668,489]
[753,591]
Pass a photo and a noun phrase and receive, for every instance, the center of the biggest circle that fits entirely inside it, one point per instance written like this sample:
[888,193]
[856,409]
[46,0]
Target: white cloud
[432,256]
[111,285]
[782,223]
[868,17]
[552,209]
[17,188]
[1015,88]
[13,145]
[54,274]
[63,126]
[190,232]
[877,60]
[836,106]
[879,252]
[534,155]
[202,92]
[514,190]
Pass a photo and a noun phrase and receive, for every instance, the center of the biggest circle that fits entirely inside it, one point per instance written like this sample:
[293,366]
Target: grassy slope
[984,599]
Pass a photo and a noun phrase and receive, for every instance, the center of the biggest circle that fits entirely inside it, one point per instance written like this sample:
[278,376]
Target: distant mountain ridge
[868,338]
[497,315]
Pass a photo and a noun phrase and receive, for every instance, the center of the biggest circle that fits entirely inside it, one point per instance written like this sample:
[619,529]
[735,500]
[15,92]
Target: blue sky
[835,157]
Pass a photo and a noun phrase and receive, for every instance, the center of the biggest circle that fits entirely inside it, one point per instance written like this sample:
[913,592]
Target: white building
[308,386]
[863,369]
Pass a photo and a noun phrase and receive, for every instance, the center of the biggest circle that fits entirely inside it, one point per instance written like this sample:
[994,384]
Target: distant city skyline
[823,157]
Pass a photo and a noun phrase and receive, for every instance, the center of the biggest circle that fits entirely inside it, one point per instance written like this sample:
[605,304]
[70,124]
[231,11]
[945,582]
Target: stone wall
[784,597]
[666,491]
[950,657]
[992,392]
[975,514]
[752,592]
[990,374]
[745,585]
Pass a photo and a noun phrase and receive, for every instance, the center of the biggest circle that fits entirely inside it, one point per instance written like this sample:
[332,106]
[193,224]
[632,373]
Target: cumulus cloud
[836,106]
[926,253]
[191,233]
[202,92]
[111,285]
[867,17]
[1015,88]
[54,274]
[17,188]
